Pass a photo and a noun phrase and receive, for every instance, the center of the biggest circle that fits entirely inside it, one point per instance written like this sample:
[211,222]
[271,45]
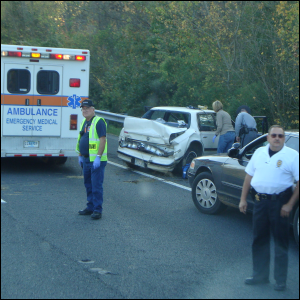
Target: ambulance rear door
[17,97]
[47,100]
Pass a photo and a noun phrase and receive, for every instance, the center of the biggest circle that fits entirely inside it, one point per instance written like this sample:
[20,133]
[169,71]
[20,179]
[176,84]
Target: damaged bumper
[145,160]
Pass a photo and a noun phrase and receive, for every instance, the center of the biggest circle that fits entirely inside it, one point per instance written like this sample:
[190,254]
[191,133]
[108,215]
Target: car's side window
[177,119]
[293,143]
[206,122]
[249,151]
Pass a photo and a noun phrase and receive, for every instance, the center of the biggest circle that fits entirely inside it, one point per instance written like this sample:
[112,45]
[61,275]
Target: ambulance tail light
[73,122]
[56,56]
[74,82]
[14,53]
[80,57]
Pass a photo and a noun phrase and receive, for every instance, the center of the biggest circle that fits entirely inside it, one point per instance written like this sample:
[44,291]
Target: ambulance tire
[60,160]
[54,160]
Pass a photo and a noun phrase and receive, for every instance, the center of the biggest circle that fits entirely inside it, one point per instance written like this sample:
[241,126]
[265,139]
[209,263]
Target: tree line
[175,53]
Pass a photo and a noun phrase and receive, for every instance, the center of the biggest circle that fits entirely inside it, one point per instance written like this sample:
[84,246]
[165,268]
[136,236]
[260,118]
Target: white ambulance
[41,92]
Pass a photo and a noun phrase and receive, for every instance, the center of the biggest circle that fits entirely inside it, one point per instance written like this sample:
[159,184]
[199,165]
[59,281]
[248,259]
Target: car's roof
[293,133]
[181,109]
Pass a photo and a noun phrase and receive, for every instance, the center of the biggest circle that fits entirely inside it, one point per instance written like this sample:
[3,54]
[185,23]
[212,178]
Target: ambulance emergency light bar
[43,55]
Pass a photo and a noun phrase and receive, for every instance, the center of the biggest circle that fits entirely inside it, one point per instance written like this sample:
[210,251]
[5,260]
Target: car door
[233,174]
[207,127]
[47,100]
[18,100]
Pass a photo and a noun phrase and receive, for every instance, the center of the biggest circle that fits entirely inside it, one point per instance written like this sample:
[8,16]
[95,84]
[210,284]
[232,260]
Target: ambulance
[41,92]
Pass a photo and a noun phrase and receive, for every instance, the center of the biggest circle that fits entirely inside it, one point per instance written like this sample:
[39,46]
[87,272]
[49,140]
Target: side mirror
[234,151]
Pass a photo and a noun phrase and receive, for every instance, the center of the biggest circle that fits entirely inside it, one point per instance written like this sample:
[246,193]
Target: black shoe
[96,215]
[279,286]
[85,212]
[254,281]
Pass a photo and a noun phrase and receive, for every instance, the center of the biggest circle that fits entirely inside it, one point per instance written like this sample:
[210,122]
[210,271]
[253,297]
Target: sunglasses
[274,135]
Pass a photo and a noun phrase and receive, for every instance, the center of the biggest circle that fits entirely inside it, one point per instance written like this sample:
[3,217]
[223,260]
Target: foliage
[150,53]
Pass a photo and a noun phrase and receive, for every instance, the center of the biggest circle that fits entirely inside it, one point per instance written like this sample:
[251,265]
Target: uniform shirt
[84,140]
[273,175]
[246,119]
[223,122]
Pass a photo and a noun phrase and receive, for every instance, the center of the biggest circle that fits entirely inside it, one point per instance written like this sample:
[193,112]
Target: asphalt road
[150,243]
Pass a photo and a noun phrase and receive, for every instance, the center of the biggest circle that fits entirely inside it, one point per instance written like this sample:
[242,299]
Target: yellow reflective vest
[94,141]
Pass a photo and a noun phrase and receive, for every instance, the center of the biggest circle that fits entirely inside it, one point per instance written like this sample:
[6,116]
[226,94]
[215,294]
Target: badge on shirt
[279,163]
[257,197]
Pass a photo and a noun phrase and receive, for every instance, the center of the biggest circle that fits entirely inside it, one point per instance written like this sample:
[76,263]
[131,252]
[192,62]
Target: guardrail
[110,116]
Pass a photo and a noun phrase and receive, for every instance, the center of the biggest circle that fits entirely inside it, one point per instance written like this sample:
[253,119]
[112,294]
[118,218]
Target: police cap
[87,102]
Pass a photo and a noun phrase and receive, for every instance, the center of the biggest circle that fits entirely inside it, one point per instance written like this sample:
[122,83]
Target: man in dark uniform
[271,173]
[92,149]
[245,126]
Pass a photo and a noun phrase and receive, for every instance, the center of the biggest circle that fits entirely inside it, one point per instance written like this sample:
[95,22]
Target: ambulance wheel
[60,160]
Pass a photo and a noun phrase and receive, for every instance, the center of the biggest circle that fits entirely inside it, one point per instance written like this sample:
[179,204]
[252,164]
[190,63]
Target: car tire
[192,152]
[189,155]
[296,226]
[204,193]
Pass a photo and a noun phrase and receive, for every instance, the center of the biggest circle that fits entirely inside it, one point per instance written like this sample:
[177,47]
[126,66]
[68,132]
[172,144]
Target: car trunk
[149,130]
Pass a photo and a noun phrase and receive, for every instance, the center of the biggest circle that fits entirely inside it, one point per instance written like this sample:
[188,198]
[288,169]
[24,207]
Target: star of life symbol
[74,101]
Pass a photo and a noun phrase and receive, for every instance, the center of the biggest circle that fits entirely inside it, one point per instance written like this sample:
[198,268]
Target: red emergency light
[73,122]
[56,56]
[14,53]
[74,82]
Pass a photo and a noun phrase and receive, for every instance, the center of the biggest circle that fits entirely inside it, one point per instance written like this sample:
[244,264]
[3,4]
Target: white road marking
[154,177]
[2,201]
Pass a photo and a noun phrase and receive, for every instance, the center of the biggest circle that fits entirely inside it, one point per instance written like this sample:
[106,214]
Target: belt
[85,155]
[260,196]
[252,129]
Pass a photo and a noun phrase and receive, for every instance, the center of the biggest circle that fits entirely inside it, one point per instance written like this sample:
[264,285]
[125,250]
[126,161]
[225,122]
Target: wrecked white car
[167,137]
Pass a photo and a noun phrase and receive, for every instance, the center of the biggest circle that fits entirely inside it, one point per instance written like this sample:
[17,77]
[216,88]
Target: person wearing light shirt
[271,172]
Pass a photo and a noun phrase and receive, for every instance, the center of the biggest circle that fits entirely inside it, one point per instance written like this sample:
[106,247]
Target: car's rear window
[169,118]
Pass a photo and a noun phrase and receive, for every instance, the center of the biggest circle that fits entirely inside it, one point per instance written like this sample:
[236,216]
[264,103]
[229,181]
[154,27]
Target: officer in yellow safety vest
[92,149]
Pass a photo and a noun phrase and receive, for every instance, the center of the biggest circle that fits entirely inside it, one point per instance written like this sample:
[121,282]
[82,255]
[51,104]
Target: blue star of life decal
[74,101]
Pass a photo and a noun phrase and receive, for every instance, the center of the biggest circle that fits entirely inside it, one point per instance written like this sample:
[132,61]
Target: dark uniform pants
[266,218]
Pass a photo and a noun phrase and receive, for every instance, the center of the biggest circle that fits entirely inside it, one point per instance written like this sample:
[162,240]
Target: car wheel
[296,226]
[192,152]
[189,155]
[205,195]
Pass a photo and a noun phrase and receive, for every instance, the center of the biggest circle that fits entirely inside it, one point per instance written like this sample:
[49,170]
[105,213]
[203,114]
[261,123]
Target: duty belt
[260,196]
[252,129]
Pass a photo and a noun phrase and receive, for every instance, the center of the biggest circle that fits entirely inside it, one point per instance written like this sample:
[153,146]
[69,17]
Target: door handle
[39,102]
[27,102]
